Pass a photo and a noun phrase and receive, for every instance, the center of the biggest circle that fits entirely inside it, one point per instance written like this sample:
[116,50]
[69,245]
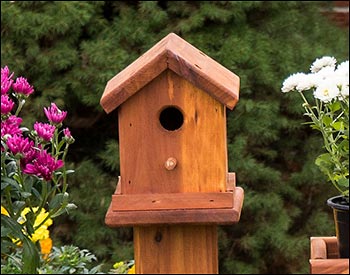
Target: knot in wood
[170,163]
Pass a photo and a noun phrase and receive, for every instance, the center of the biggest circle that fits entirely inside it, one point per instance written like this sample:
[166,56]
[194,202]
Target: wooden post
[179,249]
[174,187]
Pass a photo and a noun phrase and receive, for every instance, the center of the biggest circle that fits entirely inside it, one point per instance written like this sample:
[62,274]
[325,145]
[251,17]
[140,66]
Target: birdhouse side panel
[203,150]
[172,138]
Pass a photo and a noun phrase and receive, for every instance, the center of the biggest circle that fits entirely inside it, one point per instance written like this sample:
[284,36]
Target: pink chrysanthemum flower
[21,86]
[30,155]
[43,166]
[11,126]
[6,80]
[18,144]
[6,104]
[6,85]
[55,115]
[5,73]
[44,130]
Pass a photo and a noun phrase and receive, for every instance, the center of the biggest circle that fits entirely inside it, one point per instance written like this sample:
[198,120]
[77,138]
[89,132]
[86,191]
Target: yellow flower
[118,264]
[42,232]
[39,219]
[132,270]
[45,246]
[4,211]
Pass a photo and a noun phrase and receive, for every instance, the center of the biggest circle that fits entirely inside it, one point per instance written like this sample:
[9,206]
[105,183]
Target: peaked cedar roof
[176,54]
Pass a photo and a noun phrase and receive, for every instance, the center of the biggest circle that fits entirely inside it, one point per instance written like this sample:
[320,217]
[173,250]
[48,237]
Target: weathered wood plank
[324,257]
[199,146]
[174,53]
[179,249]
[169,201]
[186,216]
[231,182]
[134,77]
[318,248]
[329,266]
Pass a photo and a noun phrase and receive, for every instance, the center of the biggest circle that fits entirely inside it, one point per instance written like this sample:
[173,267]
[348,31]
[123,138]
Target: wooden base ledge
[324,257]
[178,216]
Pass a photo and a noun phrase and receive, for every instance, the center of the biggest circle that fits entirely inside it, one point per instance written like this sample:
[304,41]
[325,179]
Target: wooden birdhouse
[174,187]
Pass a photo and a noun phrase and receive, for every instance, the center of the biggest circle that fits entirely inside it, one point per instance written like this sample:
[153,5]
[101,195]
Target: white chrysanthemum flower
[325,74]
[307,82]
[292,82]
[320,63]
[343,69]
[344,92]
[343,86]
[326,91]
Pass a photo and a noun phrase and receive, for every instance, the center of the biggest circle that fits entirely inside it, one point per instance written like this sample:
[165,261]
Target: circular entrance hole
[171,118]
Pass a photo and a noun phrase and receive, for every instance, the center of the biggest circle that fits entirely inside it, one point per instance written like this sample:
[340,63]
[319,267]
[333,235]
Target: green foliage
[70,259]
[74,48]
[67,259]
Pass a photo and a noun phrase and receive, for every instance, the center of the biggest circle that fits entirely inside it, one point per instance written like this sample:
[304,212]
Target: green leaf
[16,228]
[26,195]
[60,145]
[5,231]
[324,162]
[69,172]
[30,257]
[344,182]
[335,106]
[4,184]
[18,205]
[11,167]
[8,181]
[56,201]
[326,120]
[339,125]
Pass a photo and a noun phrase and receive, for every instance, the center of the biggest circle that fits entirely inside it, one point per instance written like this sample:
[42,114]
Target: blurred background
[68,50]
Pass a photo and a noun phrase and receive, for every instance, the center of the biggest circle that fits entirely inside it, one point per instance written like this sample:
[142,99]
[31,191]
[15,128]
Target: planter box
[324,257]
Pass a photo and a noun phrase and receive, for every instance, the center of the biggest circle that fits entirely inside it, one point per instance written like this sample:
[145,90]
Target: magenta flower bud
[18,144]
[43,166]
[44,130]
[67,133]
[21,86]
[11,126]
[55,115]
[68,136]
[6,104]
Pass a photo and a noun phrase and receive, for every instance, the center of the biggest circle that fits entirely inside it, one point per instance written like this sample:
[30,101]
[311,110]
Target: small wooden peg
[170,163]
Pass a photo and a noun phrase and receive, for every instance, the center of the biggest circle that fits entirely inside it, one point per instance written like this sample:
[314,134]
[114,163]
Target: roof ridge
[174,53]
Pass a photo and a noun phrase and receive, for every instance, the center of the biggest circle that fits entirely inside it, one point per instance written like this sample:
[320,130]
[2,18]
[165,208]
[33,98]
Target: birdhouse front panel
[172,139]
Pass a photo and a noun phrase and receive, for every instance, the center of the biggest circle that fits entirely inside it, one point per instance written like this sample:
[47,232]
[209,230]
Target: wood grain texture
[324,257]
[231,182]
[173,217]
[185,249]
[199,145]
[318,249]
[172,201]
[174,53]
[330,247]
[329,266]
